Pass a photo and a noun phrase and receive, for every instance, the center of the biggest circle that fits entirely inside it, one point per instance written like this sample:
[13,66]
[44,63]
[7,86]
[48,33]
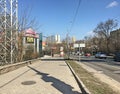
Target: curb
[80,83]
[11,67]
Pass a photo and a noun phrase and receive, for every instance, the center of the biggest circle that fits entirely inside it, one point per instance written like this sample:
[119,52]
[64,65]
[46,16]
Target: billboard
[82,45]
[75,45]
[31,33]
[29,40]
[79,45]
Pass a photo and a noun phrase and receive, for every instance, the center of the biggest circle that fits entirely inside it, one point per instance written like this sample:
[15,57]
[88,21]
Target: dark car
[117,56]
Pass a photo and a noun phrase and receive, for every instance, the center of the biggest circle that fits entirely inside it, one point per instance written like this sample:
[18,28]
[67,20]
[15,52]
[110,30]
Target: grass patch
[94,85]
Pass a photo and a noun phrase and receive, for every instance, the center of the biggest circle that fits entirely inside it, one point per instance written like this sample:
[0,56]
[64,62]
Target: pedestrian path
[42,77]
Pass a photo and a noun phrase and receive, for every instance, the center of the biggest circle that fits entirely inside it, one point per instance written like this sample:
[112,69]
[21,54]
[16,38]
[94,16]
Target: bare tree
[103,30]
[25,22]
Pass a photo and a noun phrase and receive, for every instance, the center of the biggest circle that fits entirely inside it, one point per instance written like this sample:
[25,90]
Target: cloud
[112,4]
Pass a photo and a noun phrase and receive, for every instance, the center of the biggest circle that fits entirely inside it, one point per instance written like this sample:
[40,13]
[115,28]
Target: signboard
[79,45]
[82,45]
[29,39]
[31,33]
[76,45]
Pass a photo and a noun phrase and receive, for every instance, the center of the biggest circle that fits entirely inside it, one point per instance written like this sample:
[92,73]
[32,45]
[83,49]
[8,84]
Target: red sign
[31,33]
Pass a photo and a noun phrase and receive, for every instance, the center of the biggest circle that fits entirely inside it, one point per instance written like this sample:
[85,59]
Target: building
[53,39]
[115,34]
[30,38]
[57,39]
[50,39]
[115,40]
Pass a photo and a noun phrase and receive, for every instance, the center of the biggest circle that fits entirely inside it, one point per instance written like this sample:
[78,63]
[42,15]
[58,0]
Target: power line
[72,24]
[74,18]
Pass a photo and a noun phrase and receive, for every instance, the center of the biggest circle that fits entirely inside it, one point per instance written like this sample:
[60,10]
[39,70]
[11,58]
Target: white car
[100,55]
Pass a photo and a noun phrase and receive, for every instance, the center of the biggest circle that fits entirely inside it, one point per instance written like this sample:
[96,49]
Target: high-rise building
[57,39]
[50,39]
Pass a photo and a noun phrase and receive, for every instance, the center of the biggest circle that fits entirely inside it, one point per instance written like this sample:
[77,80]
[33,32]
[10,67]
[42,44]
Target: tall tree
[103,30]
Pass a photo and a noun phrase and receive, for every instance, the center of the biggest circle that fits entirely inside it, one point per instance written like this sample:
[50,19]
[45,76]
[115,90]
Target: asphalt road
[108,66]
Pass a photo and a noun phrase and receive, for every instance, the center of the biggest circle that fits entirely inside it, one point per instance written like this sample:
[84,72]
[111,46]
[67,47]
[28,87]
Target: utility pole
[67,42]
[8,31]
[79,52]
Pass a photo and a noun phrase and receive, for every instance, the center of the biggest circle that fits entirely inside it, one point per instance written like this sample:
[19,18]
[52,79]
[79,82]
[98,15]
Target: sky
[56,16]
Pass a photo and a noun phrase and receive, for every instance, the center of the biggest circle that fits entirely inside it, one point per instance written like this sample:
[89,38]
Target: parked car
[100,55]
[117,56]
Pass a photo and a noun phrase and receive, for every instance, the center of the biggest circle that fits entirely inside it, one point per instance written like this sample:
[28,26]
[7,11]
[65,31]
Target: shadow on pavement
[59,85]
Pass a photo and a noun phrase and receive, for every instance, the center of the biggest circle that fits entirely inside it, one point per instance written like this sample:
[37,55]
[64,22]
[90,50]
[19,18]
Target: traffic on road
[107,65]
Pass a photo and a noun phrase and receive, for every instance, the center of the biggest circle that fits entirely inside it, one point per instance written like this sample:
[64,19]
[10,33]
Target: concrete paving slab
[43,77]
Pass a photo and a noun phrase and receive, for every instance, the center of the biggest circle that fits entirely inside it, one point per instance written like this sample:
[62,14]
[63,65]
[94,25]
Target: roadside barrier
[11,67]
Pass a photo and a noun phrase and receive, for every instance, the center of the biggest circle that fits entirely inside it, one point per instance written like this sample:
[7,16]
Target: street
[107,66]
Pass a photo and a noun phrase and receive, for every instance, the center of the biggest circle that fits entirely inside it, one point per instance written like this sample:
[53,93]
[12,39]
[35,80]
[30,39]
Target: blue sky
[56,16]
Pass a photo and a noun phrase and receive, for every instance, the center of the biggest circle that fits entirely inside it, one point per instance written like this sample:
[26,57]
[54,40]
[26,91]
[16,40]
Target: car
[100,55]
[88,54]
[117,56]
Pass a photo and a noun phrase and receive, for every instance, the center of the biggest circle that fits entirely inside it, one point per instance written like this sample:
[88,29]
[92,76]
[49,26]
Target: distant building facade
[53,39]
[57,39]
[115,34]
[115,40]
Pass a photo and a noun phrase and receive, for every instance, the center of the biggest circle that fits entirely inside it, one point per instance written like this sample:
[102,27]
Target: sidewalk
[43,77]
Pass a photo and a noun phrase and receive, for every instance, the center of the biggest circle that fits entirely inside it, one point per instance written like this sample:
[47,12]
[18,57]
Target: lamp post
[79,52]
[67,42]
